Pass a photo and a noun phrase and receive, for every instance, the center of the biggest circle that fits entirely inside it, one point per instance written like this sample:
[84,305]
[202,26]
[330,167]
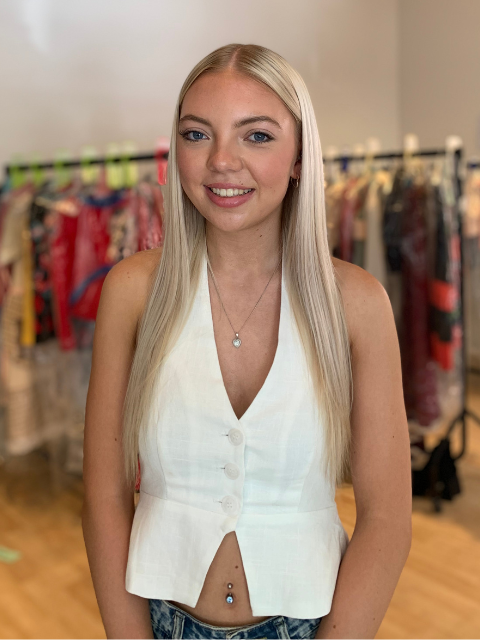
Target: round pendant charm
[236,341]
[229,598]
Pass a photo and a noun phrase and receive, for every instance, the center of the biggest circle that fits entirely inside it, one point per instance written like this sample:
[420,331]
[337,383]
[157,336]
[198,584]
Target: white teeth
[228,193]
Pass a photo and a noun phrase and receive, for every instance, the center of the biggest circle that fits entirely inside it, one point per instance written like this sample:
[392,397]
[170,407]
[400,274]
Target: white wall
[100,71]
[440,70]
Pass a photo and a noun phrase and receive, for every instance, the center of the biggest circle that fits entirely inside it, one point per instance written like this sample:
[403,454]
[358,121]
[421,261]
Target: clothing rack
[50,164]
[345,159]
[435,490]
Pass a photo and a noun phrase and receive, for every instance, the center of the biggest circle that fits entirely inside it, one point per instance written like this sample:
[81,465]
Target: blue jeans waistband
[169,621]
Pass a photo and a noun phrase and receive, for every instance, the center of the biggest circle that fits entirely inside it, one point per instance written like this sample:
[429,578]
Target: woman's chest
[246,359]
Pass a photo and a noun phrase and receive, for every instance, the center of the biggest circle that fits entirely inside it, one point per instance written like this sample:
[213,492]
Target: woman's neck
[250,252]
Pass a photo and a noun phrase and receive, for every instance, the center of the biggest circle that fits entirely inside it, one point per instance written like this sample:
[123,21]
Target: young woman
[250,374]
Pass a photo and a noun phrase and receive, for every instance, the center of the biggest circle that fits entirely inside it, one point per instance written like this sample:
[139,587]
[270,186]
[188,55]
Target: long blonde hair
[309,273]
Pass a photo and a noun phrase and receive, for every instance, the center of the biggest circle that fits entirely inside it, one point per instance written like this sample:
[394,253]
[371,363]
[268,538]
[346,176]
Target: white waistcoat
[206,473]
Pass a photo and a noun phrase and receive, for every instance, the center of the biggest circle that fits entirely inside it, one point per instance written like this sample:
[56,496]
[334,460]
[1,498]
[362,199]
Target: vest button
[230,505]
[235,436]
[231,470]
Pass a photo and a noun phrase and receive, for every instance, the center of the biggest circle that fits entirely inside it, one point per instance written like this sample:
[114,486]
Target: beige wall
[440,70]
[100,71]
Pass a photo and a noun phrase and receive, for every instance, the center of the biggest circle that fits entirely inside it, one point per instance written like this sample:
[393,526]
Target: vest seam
[191,506]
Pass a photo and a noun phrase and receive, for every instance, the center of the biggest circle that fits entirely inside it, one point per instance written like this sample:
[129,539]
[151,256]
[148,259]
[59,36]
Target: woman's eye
[193,136]
[258,136]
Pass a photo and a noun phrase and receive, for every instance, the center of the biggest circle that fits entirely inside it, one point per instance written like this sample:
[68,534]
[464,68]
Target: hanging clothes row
[471,236]
[400,223]
[57,245]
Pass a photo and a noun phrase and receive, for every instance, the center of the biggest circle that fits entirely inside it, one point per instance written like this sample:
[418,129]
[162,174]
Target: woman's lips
[228,202]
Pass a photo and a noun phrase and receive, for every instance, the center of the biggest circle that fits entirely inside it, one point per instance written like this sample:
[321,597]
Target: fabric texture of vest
[206,473]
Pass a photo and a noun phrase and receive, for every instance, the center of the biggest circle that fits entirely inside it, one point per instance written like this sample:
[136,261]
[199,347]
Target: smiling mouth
[229,193]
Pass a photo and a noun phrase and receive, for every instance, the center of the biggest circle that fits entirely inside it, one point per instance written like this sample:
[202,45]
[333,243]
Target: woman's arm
[381,467]
[108,506]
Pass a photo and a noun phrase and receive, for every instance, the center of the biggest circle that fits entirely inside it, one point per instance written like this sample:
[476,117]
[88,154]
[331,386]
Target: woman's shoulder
[139,265]
[127,284]
[135,271]
[365,300]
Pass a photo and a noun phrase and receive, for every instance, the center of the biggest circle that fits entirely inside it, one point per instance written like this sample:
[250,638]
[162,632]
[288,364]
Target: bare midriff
[226,569]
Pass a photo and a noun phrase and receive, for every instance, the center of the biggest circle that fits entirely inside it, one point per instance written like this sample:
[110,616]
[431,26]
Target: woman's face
[235,135]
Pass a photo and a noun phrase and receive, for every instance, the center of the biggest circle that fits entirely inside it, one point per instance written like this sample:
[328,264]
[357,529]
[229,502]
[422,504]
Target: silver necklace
[237,341]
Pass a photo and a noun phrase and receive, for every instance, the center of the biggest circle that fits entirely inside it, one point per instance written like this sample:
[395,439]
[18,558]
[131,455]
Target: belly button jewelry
[229,597]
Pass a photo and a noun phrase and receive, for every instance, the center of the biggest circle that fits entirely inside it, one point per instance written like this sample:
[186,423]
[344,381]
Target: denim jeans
[169,621]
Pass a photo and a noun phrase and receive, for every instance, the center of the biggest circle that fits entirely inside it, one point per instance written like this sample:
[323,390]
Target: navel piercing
[229,597]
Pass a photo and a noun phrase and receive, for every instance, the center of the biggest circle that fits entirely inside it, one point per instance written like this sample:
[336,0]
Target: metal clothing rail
[393,154]
[77,162]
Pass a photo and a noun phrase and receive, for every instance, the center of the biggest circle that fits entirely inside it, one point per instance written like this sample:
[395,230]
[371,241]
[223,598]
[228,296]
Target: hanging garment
[444,286]
[375,259]
[392,238]
[28,333]
[471,243]
[359,221]
[149,203]
[91,263]
[22,433]
[17,375]
[206,473]
[471,219]
[392,223]
[41,266]
[353,200]
[11,242]
[418,368]
[359,237]
[334,193]
[123,230]
[62,236]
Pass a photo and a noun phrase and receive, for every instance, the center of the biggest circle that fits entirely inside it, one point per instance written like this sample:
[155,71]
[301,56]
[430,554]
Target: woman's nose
[224,157]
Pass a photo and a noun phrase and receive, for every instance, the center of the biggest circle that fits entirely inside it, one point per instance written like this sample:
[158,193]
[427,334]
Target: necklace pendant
[236,341]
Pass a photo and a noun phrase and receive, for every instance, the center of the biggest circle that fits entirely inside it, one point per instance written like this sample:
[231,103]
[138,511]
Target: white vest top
[205,473]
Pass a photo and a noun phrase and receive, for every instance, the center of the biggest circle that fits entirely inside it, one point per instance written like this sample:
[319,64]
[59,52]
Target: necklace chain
[236,341]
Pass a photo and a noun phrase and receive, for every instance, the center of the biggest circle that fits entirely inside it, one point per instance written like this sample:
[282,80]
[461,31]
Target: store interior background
[96,72]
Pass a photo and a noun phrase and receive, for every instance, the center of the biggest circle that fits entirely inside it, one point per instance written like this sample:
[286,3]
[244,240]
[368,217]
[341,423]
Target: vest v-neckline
[215,361]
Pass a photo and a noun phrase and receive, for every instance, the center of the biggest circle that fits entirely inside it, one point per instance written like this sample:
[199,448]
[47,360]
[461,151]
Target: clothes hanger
[129,168]
[62,173]
[114,169]
[161,148]
[37,173]
[89,173]
[17,175]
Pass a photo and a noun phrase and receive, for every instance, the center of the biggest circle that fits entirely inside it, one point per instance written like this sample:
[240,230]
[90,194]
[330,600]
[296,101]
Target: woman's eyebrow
[195,119]
[253,119]
[237,125]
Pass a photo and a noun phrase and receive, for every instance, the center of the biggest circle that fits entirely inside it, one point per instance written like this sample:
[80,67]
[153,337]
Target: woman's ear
[297,167]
